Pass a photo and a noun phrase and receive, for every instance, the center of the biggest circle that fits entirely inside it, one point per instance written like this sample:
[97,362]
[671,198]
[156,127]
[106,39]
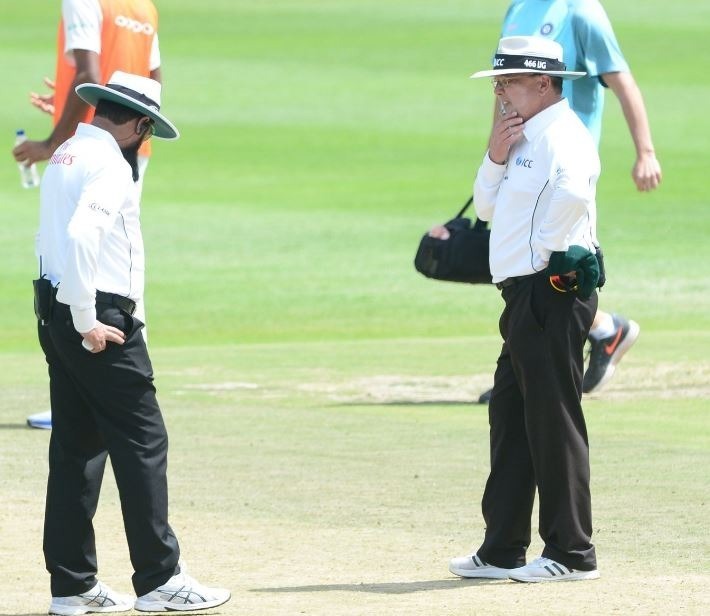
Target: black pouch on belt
[44,298]
[602,271]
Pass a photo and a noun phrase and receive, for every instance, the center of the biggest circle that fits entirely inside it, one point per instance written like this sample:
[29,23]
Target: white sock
[605,329]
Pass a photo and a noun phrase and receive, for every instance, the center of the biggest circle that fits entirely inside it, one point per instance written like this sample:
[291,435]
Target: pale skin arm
[646,172]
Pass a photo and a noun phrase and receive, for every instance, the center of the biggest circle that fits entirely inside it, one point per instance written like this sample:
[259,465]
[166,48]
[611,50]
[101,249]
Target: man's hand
[96,339]
[30,152]
[440,232]
[44,102]
[507,131]
[576,261]
[647,172]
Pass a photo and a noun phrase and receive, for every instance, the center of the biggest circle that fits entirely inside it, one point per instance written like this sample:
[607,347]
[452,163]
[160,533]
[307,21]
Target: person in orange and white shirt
[95,39]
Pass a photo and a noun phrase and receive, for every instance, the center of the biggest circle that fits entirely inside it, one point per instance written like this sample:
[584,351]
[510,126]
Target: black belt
[122,303]
[509,282]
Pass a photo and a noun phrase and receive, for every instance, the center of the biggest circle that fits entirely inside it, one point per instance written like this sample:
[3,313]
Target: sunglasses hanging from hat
[563,284]
[146,128]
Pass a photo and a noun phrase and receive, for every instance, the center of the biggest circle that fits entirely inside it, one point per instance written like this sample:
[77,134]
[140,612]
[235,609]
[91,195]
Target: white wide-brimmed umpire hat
[529,54]
[135,92]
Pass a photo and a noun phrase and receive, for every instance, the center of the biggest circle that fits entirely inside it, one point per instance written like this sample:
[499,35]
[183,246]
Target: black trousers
[538,436]
[103,405]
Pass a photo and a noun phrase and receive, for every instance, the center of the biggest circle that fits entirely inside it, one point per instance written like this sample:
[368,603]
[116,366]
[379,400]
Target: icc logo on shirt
[523,162]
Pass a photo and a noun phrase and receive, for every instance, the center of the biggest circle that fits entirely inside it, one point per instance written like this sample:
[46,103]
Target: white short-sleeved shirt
[82,29]
[544,199]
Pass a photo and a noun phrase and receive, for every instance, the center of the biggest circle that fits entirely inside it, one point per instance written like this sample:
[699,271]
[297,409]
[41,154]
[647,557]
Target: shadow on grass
[16,426]
[412,403]
[386,588]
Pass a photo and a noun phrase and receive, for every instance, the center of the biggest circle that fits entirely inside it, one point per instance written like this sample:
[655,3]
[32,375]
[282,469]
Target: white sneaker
[473,567]
[547,570]
[43,420]
[99,599]
[181,593]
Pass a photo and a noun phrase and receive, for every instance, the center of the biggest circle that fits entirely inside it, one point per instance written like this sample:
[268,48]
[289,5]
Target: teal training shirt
[589,44]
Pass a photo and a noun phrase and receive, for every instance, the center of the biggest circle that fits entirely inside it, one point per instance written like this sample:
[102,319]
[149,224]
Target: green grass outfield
[324,458]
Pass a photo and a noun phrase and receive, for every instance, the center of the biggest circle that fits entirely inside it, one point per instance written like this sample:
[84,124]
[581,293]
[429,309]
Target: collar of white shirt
[89,130]
[540,121]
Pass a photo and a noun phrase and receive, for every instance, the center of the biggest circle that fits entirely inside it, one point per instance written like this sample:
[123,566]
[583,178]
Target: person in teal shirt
[589,44]
[588,41]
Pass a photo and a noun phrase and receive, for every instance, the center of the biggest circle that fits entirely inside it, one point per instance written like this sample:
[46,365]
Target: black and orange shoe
[605,353]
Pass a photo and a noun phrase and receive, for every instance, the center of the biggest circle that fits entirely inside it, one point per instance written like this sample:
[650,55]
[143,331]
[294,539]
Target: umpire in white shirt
[537,186]
[103,399]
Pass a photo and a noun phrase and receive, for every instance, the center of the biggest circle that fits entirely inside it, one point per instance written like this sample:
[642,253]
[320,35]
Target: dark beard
[131,155]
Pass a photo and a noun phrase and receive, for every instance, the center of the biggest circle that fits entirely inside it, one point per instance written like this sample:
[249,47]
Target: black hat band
[141,98]
[505,61]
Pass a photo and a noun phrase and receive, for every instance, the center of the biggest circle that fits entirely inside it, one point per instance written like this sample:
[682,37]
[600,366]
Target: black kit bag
[461,258]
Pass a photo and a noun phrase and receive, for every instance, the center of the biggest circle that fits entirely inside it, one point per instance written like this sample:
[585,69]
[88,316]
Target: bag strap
[465,207]
[478,225]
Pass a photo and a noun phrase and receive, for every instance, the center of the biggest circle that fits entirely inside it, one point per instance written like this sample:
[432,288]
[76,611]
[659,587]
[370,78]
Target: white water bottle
[29,178]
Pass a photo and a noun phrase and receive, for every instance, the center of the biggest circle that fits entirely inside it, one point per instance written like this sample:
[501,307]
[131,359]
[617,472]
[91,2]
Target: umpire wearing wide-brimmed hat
[536,185]
[90,249]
